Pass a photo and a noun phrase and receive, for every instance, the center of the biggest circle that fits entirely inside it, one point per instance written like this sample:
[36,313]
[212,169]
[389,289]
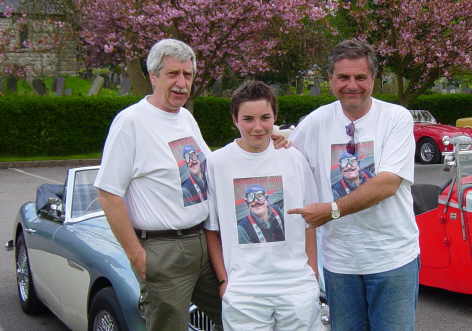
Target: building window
[22,35]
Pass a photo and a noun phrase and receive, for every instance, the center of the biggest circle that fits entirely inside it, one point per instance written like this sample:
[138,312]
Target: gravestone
[68,92]
[125,86]
[315,88]
[2,85]
[115,79]
[276,89]
[12,84]
[96,85]
[58,86]
[39,86]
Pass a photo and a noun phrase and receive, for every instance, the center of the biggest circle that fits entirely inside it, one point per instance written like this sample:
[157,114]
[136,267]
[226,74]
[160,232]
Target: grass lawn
[79,87]
[41,158]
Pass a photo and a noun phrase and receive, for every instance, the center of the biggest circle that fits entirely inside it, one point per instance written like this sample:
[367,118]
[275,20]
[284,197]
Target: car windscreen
[422,116]
[85,195]
[465,163]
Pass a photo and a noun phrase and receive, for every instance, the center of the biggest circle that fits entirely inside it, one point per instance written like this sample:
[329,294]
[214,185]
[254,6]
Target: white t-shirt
[382,237]
[144,161]
[261,258]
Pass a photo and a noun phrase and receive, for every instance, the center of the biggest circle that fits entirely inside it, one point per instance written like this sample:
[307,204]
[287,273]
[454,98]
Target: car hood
[443,129]
[97,228]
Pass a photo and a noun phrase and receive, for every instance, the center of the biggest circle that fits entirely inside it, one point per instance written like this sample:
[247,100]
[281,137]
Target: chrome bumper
[9,245]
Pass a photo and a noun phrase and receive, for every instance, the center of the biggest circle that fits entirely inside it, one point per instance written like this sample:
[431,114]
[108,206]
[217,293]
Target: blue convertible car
[68,260]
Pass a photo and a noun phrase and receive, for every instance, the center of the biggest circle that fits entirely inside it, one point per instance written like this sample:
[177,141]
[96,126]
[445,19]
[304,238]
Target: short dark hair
[352,50]
[252,90]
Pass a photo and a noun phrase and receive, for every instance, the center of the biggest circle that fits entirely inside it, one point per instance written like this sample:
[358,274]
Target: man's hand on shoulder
[280,141]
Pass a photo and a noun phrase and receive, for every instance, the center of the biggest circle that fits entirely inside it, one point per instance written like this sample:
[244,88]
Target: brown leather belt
[146,234]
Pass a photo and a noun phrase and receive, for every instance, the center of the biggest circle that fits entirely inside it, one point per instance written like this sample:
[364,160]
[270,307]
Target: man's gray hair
[352,50]
[169,47]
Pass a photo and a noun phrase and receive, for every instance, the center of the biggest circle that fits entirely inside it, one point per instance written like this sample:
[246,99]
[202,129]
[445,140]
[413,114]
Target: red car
[429,135]
[444,218]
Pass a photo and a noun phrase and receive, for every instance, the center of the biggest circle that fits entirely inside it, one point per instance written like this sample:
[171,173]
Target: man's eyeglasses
[351,145]
[252,196]
[191,156]
[349,160]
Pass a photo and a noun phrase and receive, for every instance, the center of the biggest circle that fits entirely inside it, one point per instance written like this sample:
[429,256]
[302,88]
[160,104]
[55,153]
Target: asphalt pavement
[438,310]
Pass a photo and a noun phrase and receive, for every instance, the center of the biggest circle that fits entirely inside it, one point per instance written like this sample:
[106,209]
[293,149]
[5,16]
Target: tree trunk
[140,84]
[401,91]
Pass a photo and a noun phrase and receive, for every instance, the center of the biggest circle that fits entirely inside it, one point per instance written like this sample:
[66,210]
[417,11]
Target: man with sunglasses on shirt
[195,186]
[264,222]
[369,235]
[351,175]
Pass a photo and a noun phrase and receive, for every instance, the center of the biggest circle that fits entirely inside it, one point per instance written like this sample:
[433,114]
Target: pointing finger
[296,211]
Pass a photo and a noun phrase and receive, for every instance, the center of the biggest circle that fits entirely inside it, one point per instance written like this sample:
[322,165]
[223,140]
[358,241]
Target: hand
[315,214]
[222,288]
[280,141]
[138,261]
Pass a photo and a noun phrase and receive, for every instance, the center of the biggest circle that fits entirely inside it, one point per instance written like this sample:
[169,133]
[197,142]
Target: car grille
[199,321]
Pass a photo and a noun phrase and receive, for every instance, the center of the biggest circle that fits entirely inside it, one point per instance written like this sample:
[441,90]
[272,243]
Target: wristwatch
[335,213]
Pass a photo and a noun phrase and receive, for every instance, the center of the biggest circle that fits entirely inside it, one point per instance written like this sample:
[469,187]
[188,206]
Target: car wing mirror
[55,208]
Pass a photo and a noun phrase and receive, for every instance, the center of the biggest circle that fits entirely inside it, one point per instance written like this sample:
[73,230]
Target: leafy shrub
[447,108]
[31,125]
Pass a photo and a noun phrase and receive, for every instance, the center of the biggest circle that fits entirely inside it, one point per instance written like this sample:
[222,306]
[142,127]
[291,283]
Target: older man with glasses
[369,236]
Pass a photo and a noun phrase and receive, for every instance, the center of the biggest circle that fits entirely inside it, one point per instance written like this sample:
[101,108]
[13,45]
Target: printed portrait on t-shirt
[259,209]
[192,167]
[351,167]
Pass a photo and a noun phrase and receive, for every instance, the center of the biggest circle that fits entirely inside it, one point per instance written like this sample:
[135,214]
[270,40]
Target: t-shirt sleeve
[211,223]
[298,137]
[398,149]
[116,169]
[310,188]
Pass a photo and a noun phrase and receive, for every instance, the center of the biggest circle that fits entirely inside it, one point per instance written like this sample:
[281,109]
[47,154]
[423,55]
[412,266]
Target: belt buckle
[143,234]
[179,232]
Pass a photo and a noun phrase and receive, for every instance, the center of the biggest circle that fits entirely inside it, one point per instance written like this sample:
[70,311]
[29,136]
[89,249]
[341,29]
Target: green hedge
[76,125]
[214,119]
[447,108]
[56,125]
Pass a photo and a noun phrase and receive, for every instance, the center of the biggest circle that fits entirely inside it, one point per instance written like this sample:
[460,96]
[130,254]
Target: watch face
[335,211]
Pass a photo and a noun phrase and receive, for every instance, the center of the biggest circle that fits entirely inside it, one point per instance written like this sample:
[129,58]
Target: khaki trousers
[178,272]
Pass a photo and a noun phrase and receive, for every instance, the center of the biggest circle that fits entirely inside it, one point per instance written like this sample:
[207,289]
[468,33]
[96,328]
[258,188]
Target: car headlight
[446,140]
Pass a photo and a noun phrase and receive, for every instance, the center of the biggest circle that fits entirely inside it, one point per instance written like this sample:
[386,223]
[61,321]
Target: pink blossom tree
[240,35]
[419,40]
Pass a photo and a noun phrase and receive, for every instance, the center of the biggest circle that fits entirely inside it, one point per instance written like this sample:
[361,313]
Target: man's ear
[235,122]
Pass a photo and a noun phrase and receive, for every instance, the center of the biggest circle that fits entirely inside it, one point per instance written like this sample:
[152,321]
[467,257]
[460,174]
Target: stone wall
[62,60]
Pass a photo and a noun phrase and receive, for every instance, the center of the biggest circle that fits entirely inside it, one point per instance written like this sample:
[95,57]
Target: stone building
[41,44]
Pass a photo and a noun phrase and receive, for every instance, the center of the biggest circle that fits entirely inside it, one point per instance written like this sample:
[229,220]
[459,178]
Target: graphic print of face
[256,200]
[349,165]
[190,156]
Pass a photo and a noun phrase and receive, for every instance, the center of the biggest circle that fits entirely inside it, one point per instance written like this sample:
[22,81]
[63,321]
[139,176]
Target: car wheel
[105,313]
[24,280]
[427,151]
